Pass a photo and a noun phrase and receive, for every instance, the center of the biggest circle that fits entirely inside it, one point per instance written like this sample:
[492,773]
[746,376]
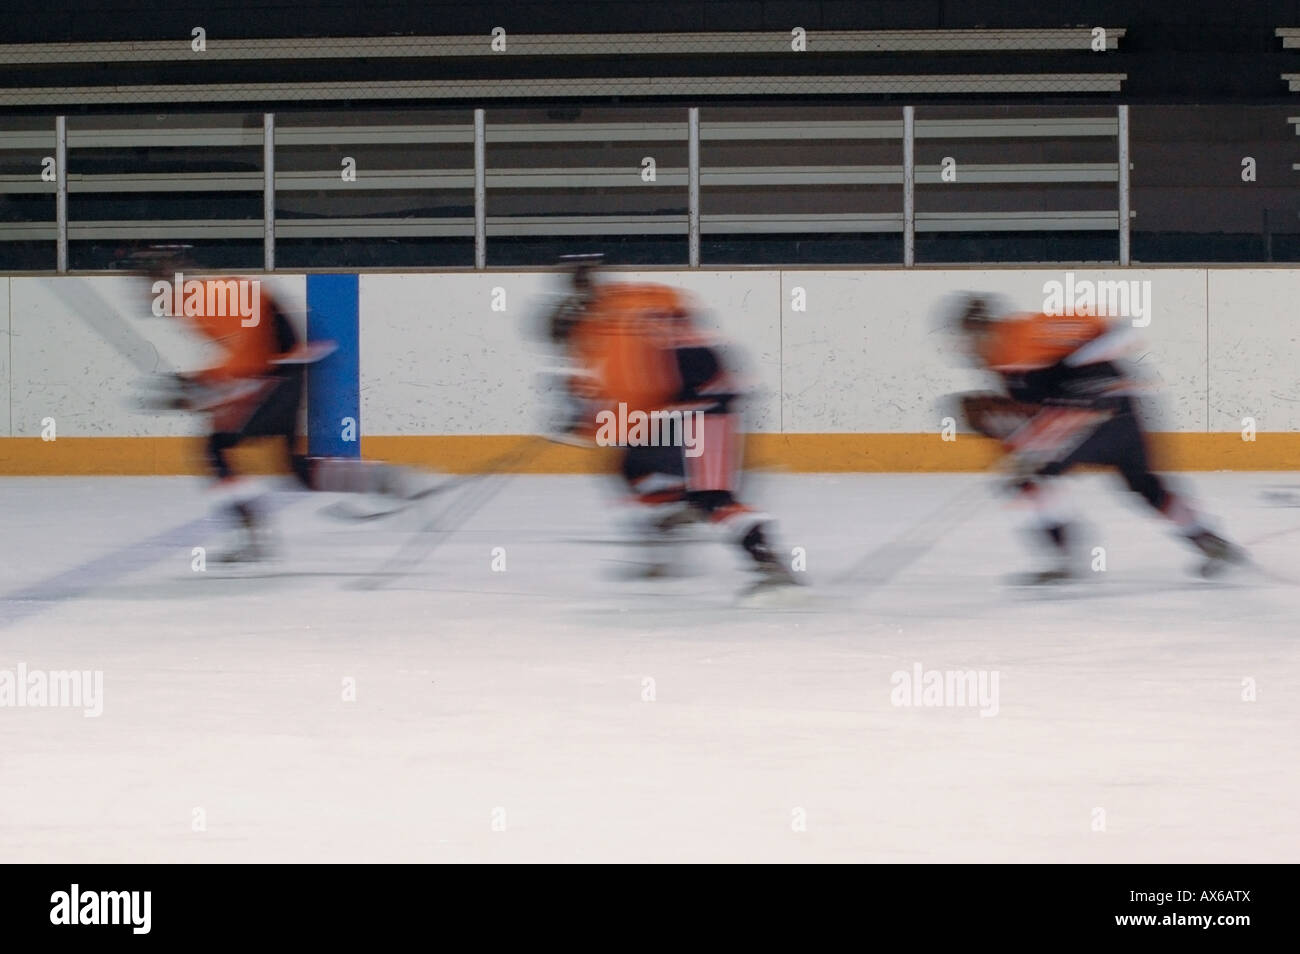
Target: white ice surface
[516,696]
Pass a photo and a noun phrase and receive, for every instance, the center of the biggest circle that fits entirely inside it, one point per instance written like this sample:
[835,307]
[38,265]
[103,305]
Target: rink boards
[847,368]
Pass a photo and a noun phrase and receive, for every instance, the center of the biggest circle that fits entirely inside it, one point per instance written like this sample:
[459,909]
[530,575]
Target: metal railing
[114,82]
[695,180]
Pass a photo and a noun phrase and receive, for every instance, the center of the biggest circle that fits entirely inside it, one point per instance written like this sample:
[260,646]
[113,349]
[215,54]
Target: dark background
[1187,51]
[1204,80]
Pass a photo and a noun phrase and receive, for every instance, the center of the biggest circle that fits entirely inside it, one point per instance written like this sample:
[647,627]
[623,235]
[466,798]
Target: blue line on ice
[53,590]
[78,580]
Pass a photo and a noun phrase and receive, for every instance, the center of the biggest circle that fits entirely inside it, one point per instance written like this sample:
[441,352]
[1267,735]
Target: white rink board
[1254,349]
[64,370]
[866,356]
[871,353]
[437,359]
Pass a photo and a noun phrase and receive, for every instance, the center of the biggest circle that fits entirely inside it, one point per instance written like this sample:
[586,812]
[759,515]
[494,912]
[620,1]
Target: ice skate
[1220,555]
[1043,577]
[250,547]
[658,552]
[774,584]
[1056,540]
[245,553]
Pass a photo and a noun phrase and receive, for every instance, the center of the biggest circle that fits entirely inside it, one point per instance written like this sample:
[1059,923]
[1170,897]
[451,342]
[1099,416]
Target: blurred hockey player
[1068,401]
[636,354]
[254,390]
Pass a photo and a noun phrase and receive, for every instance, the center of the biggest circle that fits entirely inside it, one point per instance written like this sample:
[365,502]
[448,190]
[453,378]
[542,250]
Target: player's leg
[277,417]
[233,423]
[236,495]
[712,468]
[1120,443]
[1116,442]
[1133,461]
[654,475]
[1052,525]
[1048,446]
[655,478]
[1042,444]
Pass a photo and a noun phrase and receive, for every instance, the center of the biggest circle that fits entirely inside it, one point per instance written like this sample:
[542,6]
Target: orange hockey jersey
[251,331]
[1030,342]
[626,341]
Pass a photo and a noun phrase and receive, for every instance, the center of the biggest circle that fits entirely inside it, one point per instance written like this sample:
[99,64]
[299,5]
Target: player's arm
[570,402]
[705,383]
[1097,385]
[1034,426]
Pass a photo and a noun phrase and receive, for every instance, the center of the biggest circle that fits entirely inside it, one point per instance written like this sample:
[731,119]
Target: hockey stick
[881,564]
[445,522]
[110,324]
[351,512]
[344,510]
[481,488]
[1281,495]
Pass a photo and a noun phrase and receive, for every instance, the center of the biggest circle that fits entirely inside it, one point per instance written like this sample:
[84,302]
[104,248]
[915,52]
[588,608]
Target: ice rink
[540,709]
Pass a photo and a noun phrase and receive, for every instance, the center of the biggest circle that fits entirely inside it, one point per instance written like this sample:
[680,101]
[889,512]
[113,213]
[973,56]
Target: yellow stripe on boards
[128,456]
[467,454]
